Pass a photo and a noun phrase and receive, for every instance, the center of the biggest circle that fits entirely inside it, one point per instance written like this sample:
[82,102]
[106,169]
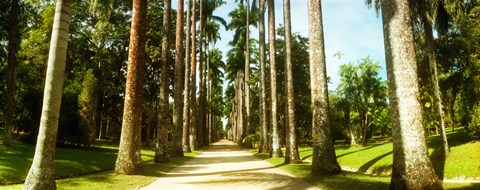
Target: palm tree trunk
[186,96]
[240,107]
[350,129]
[292,155]
[129,159]
[202,85]
[42,172]
[412,168]
[193,77]
[161,151]
[275,147]
[436,88]
[13,41]
[263,100]
[324,159]
[247,131]
[177,149]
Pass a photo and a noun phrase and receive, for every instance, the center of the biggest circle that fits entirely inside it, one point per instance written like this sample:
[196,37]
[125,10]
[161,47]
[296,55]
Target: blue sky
[349,27]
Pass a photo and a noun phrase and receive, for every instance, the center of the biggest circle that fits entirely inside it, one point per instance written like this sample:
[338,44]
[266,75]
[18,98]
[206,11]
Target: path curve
[224,165]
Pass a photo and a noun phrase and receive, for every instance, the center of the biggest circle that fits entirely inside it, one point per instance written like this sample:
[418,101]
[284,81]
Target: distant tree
[13,44]
[42,172]
[324,161]
[412,168]
[129,159]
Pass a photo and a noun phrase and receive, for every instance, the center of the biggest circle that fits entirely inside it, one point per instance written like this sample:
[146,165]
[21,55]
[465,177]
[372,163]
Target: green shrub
[252,139]
[473,129]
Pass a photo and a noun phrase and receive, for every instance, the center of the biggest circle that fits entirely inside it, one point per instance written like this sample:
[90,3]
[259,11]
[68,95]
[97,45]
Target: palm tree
[412,168]
[129,159]
[186,96]
[206,20]
[263,100]
[212,65]
[291,153]
[161,151]
[177,149]
[324,161]
[275,147]
[13,36]
[201,114]
[235,61]
[348,74]
[42,172]
[193,77]
[247,70]
[423,12]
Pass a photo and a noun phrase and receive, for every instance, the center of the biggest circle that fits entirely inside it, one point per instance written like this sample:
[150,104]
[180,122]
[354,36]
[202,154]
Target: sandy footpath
[224,165]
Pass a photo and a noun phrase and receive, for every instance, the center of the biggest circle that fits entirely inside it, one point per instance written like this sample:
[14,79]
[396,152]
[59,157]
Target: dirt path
[226,166]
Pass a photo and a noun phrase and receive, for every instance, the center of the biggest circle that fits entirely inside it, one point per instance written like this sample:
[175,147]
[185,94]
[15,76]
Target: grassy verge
[462,163]
[98,163]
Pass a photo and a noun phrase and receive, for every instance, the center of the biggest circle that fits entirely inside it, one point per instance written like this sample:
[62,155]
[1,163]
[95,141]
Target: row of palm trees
[42,172]
[412,168]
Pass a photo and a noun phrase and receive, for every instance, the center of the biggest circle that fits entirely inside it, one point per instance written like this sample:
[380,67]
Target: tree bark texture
[412,168]
[275,147]
[41,175]
[292,155]
[161,152]
[186,93]
[247,131]
[177,149]
[201,115]
[13,41]
[129,159]
[324,161]
[263,100]
[193,83]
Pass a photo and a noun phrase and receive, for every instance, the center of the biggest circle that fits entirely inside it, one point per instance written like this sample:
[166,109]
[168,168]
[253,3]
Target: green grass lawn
[98,163]
[463,162]
[376,159]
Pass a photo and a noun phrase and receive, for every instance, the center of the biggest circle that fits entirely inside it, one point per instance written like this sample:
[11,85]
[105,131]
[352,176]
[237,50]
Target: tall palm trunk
[412,168]
[291,155]
[161,151]
[263,100]
[193,77]
[239,107]
[275,148]
[202,85]
[13,41]
[186,95]
[177,149]
[324,161]
[427,26]
[247,72]
[129,159]
[42,172]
